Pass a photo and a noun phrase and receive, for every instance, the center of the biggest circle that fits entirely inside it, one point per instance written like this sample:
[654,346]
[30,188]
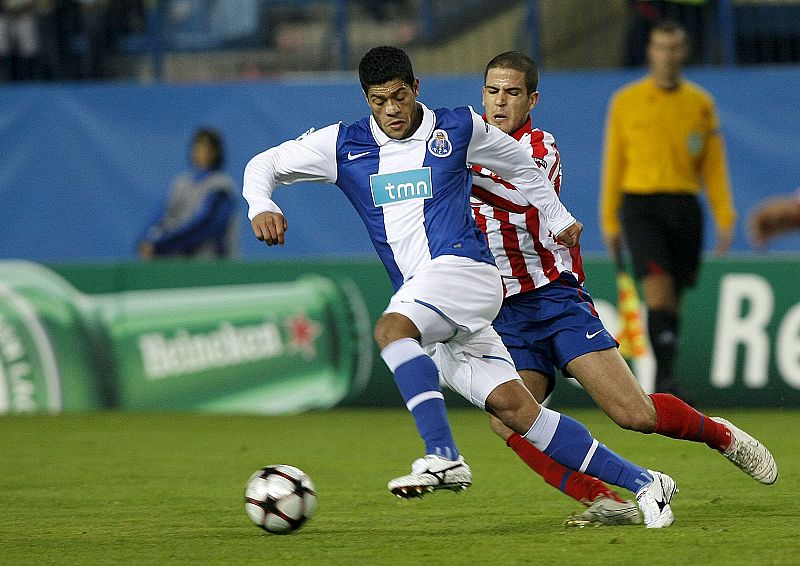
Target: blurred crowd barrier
[197,40]
[92,162]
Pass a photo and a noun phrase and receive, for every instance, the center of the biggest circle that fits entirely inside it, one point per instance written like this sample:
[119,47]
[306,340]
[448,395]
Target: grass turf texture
[167,488]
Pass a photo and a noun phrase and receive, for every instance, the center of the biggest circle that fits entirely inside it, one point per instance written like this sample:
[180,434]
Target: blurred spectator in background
[385,10]
[20,39]
[234,22]
[200,218]
[55,33]
[62,39]
[94,28]
[692,15]
[774,217]
[662,147]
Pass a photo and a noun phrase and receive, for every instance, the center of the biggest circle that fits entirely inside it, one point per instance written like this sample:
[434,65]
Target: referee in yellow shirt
[662,147]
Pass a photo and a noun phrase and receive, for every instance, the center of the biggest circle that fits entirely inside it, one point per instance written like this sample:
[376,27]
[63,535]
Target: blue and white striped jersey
[412,194]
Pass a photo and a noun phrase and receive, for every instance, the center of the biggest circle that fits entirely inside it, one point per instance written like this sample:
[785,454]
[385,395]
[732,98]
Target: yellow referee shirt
[660,141]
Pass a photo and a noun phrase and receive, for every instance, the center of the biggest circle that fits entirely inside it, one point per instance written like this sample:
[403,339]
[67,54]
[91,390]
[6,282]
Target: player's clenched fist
[571,235]
[270,227]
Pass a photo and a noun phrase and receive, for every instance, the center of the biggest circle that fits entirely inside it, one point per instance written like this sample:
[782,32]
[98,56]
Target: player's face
[666,53]
[203,154]
[506,99]
[394,107]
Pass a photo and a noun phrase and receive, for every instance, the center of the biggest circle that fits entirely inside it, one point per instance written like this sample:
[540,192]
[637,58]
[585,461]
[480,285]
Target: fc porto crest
[439,144]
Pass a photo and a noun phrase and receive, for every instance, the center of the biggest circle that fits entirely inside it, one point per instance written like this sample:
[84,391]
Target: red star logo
[302,334]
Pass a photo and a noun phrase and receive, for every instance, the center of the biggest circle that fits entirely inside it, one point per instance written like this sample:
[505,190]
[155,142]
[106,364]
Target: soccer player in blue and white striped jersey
[406,170]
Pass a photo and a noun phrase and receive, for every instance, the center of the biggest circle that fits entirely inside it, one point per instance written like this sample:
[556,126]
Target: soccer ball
[280,498]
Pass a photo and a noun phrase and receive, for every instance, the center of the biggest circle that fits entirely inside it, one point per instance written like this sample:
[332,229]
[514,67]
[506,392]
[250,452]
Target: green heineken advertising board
[261,348]
[49,357]
[228,336]
[740,335]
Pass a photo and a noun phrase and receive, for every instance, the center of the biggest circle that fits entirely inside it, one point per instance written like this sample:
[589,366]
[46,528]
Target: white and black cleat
[430,474]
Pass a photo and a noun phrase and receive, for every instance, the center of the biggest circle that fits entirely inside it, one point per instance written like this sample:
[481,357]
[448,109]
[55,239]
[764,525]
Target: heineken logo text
[16,370]
[228,345]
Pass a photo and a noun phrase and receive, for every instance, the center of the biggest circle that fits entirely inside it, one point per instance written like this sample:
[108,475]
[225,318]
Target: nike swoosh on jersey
[593,334]
[351,155]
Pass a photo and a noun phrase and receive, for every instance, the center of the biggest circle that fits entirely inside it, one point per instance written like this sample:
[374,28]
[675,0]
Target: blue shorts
[547,328]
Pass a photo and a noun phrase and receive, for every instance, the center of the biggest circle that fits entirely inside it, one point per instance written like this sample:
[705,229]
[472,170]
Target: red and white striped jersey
[525,251]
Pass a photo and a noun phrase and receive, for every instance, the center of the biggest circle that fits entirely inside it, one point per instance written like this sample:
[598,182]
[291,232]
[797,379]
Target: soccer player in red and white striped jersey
[525,252]
[548,319]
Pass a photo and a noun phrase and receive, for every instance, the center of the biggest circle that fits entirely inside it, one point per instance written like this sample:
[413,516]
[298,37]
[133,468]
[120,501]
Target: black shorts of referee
[664,235]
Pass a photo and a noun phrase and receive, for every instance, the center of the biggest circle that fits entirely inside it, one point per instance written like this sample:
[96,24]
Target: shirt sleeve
[311,157]
[494,191]
[611,191]
[715,175]
[552,162]
[490,189]
[498,152]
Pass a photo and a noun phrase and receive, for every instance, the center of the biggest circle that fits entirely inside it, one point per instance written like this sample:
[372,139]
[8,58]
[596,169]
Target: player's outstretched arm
[270,228]
[311,157]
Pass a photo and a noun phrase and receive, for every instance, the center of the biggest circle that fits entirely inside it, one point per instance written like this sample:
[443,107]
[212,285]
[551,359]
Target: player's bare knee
[393,326]
[380,334]
[513,405]
[515,419]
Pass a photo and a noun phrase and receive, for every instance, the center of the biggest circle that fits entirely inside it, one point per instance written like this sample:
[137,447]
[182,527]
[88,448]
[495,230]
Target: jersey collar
[421,134]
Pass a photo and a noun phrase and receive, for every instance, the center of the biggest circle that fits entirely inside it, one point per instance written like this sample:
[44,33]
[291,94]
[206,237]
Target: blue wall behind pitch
[85,167]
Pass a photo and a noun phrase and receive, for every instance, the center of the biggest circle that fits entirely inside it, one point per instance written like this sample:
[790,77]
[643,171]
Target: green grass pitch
[135,488]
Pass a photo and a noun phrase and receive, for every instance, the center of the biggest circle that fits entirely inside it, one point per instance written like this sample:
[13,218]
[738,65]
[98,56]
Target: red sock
[577,485]
[676,419]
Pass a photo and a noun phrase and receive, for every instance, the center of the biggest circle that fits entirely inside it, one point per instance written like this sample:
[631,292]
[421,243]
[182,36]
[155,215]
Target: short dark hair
[382,64]
[518,62]
[212,137]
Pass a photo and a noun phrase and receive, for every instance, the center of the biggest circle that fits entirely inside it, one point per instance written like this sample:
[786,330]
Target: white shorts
[452,302]
[474,365]
[449,297]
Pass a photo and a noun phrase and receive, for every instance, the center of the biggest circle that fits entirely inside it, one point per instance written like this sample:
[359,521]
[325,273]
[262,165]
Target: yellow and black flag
[631,335]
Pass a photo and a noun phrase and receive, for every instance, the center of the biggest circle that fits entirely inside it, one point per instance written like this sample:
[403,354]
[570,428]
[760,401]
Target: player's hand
[146,250]
[613,243]
[571,235]
[614,246]
[270,227]
[724,242]
[772,218]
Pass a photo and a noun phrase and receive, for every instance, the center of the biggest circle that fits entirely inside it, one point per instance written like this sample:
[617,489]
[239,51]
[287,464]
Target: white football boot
[654,501]
[749,454]
[606,511]
[431,473]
